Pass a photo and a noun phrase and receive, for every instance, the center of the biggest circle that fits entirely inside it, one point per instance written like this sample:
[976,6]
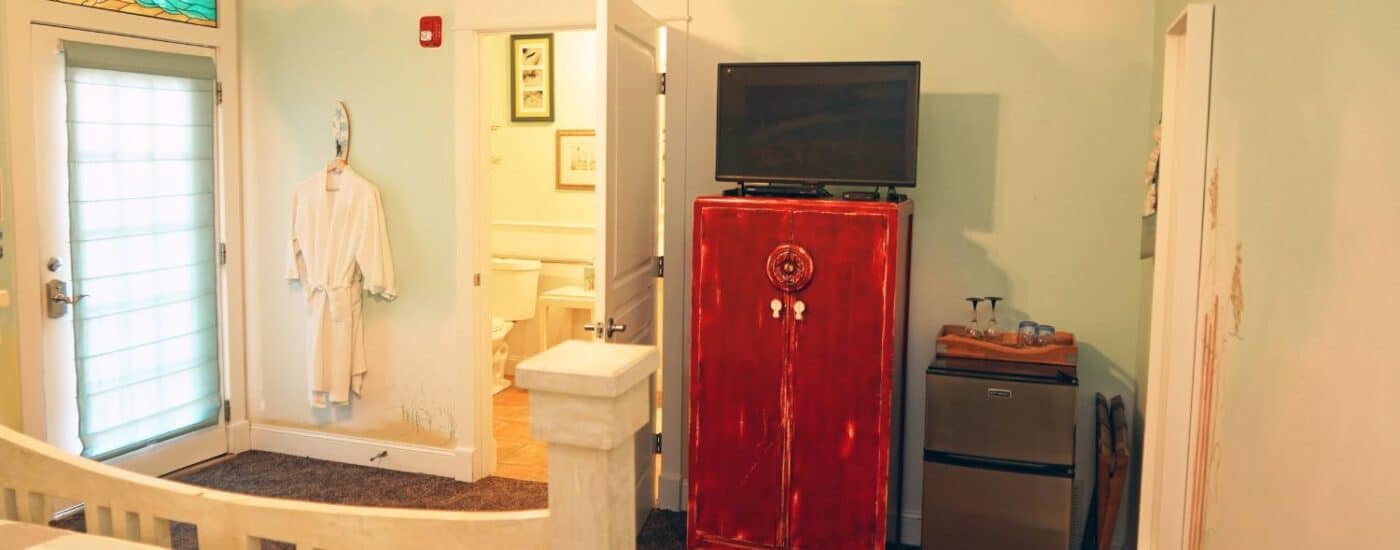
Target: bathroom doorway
[626,242]
[539,90]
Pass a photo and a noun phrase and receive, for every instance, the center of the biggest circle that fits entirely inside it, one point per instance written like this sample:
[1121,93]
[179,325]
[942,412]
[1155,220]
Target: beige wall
[1035,124]
[522,153]
[298,59]
[529,215]
[1303,134]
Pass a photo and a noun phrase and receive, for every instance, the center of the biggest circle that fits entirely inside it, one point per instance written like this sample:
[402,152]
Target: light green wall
[1035,125]
[9,334]
[298,58]
[1305,130]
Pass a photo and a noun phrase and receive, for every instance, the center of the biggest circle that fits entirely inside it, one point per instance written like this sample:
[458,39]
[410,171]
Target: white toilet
[515,286]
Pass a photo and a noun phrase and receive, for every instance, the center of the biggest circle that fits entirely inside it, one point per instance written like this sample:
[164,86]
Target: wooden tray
[953,341]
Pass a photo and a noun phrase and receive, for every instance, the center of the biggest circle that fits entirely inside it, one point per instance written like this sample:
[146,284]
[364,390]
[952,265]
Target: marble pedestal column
[587,401]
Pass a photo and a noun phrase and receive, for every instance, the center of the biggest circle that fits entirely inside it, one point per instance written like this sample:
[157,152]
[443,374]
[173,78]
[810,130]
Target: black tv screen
[818,123]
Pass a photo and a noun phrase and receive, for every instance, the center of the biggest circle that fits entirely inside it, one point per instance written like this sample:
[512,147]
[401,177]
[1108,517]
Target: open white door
[629,42]
[1170,501]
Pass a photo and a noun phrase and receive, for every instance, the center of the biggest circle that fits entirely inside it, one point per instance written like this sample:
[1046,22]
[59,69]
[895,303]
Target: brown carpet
[282,476]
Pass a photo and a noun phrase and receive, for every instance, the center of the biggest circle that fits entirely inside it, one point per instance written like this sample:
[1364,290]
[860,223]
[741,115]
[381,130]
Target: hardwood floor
[517,456]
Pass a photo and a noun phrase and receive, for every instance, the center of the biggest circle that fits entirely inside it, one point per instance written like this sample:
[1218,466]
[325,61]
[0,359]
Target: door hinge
[658,443]
[223,253]
[661,83]
[660,266]
[476,279]
[218,93]
[228,411]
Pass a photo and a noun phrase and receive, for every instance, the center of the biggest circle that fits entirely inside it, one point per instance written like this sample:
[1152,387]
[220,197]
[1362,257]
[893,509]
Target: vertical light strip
[141,191]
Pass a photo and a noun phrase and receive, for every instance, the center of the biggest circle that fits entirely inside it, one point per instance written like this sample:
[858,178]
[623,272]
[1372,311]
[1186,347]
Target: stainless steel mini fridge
[998,455]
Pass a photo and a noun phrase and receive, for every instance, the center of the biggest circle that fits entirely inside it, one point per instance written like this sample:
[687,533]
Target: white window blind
[142,214]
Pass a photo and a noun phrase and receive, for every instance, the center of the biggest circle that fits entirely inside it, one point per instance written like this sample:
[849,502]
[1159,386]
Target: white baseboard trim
[672,496]
[403,457]
[911,529]
[240,437]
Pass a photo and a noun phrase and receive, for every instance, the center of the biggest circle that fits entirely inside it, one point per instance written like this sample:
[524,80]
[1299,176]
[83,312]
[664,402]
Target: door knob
[56,292]
[777,306]
[604,330]
[614,328]
[798,308]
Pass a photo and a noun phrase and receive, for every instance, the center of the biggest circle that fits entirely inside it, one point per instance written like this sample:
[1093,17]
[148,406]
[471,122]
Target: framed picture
[531,77]
[575,160]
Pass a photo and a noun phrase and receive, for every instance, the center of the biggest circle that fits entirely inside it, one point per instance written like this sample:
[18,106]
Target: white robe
[339,248]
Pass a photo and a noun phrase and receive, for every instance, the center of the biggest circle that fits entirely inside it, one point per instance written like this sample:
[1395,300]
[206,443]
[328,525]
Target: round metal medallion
[789,267]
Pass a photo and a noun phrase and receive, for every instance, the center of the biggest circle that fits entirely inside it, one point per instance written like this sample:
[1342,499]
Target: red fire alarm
[430,31]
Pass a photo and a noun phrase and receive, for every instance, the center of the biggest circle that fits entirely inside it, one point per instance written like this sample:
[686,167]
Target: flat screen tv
[818,123]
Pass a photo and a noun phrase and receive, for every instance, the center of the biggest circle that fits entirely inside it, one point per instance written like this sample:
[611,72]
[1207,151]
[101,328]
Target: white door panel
[629,42]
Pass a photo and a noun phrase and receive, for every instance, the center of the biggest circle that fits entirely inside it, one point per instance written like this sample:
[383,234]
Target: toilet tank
[515,287]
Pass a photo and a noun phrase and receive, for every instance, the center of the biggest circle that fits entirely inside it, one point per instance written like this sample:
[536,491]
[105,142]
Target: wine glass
[972,329]
[993,330]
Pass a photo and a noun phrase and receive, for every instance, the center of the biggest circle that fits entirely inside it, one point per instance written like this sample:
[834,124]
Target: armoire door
[737,432]
[841,380]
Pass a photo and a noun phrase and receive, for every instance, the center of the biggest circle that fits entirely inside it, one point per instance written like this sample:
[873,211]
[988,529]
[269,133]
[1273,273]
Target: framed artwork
[531,77]
[575,160]
[204,13]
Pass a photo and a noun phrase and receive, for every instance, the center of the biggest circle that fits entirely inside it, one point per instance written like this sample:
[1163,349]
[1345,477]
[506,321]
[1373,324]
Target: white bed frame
[586,410]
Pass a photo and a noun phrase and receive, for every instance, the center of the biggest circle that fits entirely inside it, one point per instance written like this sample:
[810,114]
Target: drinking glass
[972,329]
[1025,333]
[993,330]
[1045,335]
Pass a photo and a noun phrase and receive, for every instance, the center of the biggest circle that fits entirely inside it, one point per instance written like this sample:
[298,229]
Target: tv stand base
[785,191]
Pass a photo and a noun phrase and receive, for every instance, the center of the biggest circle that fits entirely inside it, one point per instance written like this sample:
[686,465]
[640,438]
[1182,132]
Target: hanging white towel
[339,249]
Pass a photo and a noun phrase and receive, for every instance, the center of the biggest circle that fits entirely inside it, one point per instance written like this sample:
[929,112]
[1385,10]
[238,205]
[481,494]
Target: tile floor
[517,456]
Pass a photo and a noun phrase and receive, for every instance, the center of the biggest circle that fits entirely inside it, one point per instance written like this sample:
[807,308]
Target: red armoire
[796,380]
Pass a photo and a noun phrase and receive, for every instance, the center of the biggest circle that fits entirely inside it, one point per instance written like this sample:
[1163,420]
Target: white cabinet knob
[799,307]
[777,306]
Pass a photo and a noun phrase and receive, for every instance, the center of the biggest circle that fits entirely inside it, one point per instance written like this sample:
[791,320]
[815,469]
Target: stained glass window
[198,12]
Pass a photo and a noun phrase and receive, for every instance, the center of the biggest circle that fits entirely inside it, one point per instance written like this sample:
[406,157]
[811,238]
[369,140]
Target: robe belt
[339,299]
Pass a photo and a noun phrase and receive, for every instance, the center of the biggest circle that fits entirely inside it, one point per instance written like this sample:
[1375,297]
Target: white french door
[629,118]
[126,162]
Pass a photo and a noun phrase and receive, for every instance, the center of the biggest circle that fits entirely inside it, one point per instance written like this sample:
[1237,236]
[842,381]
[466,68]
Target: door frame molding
[1174,356]
[473,230]
[21,18]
